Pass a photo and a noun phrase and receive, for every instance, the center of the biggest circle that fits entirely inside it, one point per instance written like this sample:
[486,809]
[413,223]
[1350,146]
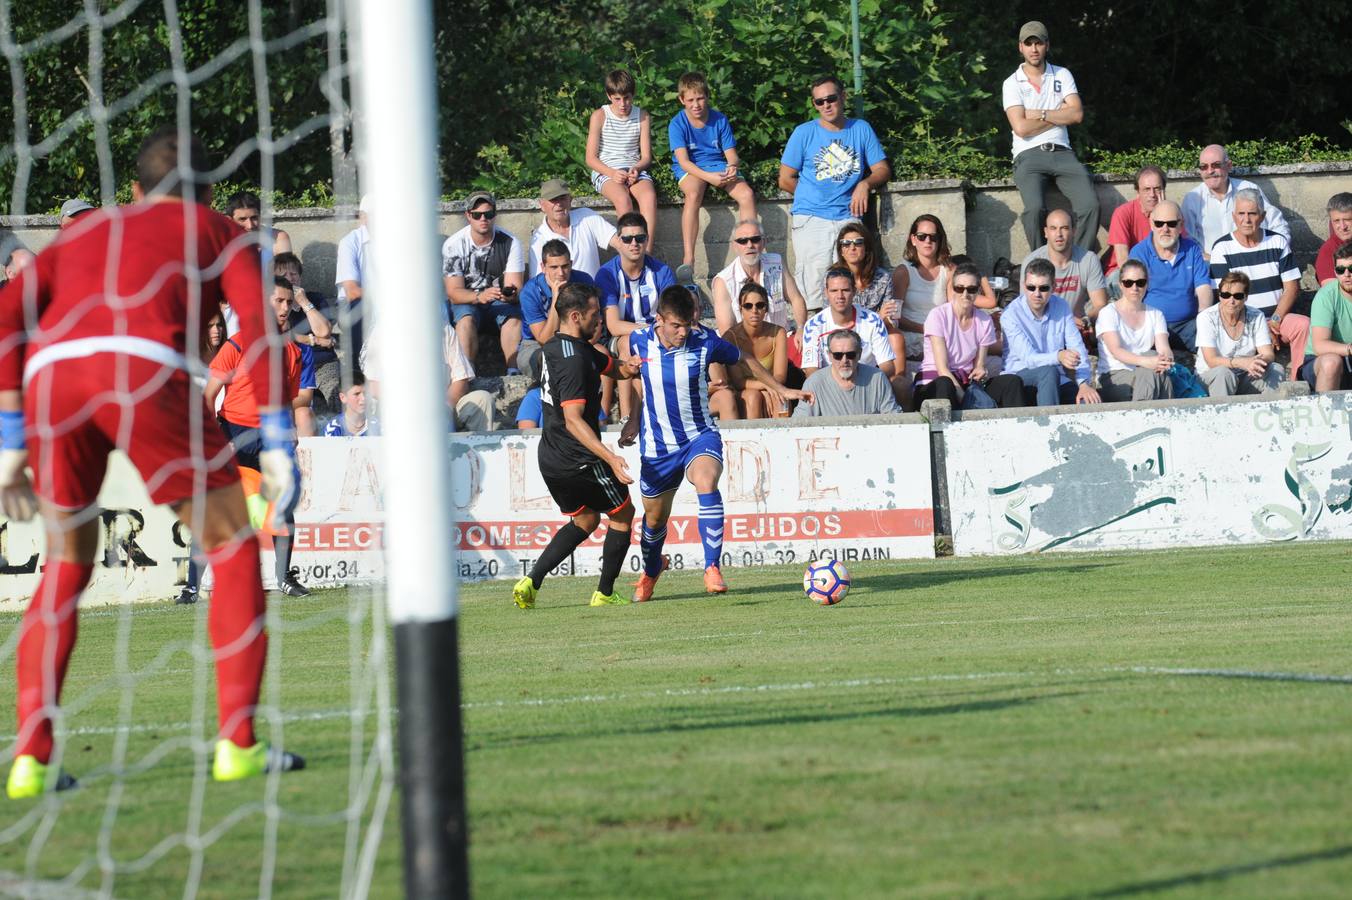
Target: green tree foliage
[58,82]
[759,57]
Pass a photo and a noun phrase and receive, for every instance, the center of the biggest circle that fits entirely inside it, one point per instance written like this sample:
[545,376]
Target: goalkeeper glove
[16,492]
[280,474]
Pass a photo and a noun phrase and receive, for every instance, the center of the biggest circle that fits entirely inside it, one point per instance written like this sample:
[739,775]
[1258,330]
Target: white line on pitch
[14,884]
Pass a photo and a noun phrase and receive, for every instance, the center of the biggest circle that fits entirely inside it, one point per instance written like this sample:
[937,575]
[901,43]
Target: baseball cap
[553,189]
[1033,29]
[75,207]
[365,205]
[478,197]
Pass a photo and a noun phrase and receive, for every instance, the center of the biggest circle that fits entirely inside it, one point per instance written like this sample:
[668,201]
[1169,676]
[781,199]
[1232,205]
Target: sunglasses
[490,215]
[844,354]
[1233,295]
[966,289]
[1133,282]
[852,242]
[822,101]
[750,239]
[1207,167]
[1342,270]
[1038,288]
[926,236]
[1166,223]
[762,306]
[634,238]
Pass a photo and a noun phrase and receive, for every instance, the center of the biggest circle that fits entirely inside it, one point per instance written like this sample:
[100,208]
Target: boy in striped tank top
[619,151]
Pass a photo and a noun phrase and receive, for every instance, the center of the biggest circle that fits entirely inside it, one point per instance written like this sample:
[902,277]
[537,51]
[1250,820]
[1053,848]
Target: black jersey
[571,373]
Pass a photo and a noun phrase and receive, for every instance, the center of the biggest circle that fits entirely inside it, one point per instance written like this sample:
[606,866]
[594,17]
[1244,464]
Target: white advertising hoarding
[790,495]
[1237,473]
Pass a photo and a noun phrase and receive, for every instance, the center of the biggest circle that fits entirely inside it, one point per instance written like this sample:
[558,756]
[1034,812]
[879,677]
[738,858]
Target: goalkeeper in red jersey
[95,343]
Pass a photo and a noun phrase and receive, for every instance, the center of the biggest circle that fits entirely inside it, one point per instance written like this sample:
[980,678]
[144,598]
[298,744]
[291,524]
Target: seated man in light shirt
[1044,345]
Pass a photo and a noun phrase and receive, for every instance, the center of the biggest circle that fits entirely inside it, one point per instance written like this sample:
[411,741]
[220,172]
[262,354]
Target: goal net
[272,91]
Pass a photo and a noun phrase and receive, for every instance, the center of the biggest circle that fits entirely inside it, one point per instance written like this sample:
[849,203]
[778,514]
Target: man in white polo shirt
[1041,99]
[586,233]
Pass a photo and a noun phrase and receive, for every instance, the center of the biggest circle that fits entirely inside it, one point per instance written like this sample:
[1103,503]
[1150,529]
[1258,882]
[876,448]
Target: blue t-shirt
[537,298]
[531,409]
[337,427]
[706,145]
[829,165]
[1173,283]
[636,300]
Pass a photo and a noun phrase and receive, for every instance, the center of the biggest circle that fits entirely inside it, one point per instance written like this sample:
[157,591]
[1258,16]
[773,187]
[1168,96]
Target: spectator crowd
[1191,298]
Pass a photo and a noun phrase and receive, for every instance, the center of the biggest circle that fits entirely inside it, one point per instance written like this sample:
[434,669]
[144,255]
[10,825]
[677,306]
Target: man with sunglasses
[848,387]
[1329,351]
[1044,346]
[1274,279]
[484,269]
[752,262]
[1041,100]
[1180,280]
[631,282]
[1208,209]
[830,165]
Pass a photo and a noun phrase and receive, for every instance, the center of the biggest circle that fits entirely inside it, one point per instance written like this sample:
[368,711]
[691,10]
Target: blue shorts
[658,476]
[499,310]
[307,368]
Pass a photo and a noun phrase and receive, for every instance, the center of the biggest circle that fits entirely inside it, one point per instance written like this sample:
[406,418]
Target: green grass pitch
[1157,724]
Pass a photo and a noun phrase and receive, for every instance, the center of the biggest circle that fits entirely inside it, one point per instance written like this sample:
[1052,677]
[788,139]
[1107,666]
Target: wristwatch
[1275,318]
[1044,115]
[308,307]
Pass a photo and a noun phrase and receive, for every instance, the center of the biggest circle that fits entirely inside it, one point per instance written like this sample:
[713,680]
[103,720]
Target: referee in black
[582,475]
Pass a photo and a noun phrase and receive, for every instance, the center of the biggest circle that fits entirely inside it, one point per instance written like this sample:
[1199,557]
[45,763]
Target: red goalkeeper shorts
[79,410]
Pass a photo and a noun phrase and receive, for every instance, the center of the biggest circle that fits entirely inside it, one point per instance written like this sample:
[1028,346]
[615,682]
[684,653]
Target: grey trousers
[1140,383]
[1032,169]
[1223,381]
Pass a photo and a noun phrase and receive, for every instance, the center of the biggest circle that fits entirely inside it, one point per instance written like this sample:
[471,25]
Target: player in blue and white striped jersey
[679,436]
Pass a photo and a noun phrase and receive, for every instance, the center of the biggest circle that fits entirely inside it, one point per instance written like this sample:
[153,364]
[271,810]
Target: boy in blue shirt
[704,151]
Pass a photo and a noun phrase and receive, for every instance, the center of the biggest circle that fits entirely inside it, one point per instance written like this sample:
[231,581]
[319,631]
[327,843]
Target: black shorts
[594,486]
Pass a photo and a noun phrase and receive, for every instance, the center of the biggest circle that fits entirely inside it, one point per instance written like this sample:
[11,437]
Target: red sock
[45,644]
[237,635]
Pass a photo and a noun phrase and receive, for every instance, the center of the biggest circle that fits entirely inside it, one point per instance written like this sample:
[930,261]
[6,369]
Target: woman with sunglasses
[958,337]
[755,335]
[855,253]
[920,285]
[1133,343]
[1234,344]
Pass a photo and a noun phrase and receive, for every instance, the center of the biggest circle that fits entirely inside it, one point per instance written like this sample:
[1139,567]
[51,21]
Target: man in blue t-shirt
[830,165]
[1180,279]
[539,293]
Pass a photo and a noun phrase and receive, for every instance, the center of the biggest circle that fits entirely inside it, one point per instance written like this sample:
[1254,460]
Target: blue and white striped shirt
[636,299]
[676,387]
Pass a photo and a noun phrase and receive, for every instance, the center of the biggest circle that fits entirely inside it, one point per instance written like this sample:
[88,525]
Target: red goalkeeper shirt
[138,280]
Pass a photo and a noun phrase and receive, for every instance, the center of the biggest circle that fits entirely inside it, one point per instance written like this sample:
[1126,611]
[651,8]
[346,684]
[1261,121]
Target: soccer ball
[826,582]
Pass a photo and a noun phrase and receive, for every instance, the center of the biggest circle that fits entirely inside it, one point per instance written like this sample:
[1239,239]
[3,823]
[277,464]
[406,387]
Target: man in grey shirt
[848,387]
[1079,275]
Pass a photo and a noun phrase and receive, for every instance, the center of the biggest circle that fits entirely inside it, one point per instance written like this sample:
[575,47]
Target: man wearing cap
[72,210]
[484,269]
[585,232]
[1209,208]
[1041,99]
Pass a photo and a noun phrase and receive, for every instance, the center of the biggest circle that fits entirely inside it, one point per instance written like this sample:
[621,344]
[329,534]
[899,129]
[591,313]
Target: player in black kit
[582,475]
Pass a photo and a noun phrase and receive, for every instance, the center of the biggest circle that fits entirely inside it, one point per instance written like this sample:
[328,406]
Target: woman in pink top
[958,336]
